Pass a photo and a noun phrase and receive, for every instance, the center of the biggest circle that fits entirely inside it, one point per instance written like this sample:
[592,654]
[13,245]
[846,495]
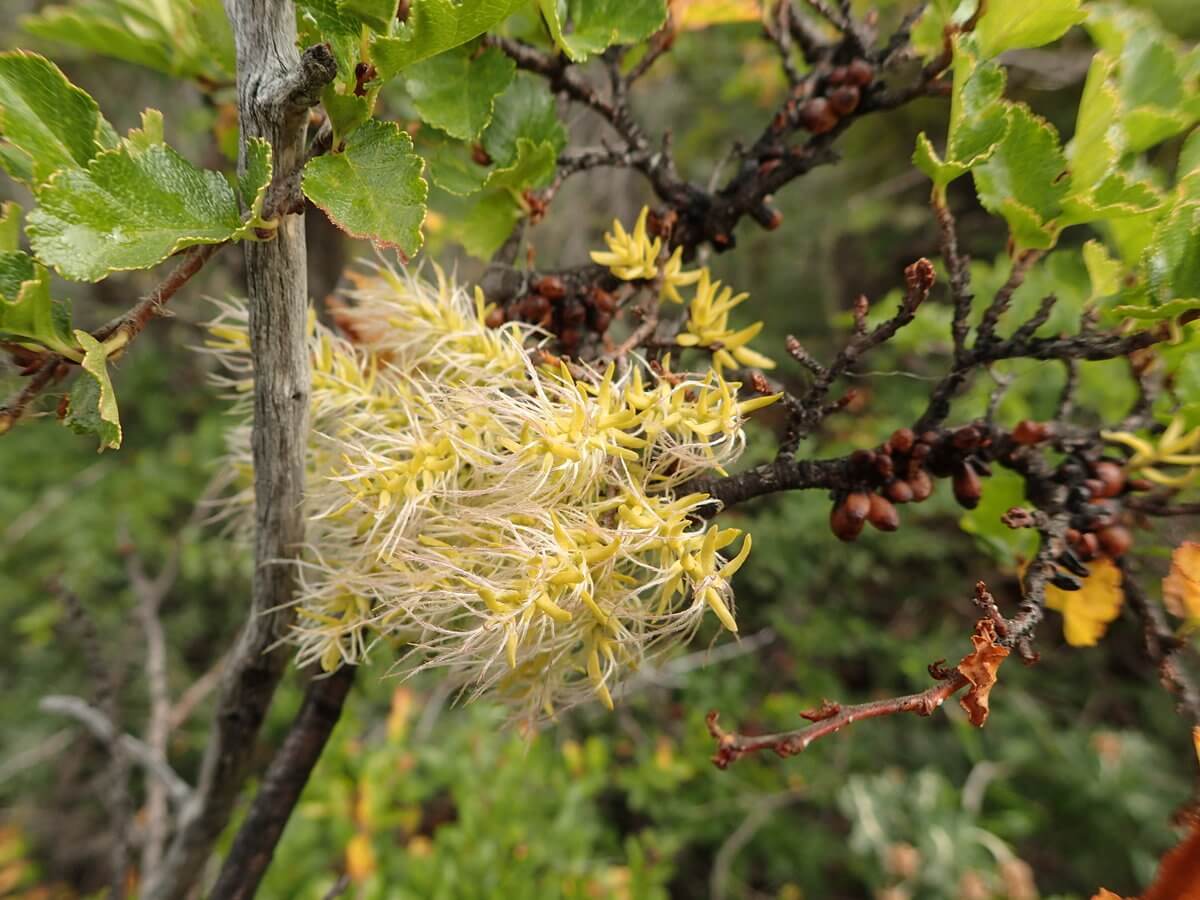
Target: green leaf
[928,32]
[346,111]
[484,225]
[93,408]
[10,226]
[377,14]
[46,123]
[1172,261]
[183,38]
[1001,493]
[324,21]
[452,165]
[129,210]
[1104,272]
[149,134]
[255,179]
[373,189]
[525,110]
[455,91]
[1025,179]
[582,28]
[978,118]
[27,314]
[1017,24]
[435,26]
[1099,139]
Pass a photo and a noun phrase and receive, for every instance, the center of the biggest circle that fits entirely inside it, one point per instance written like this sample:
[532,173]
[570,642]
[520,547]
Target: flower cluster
[520,524]
[635,257]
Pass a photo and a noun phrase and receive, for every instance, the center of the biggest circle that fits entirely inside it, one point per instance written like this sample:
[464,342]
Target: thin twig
[102,729]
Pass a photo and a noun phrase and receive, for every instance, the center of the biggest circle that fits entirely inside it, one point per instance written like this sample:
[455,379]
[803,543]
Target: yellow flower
[708,326]
[630,256]
[673,277]
[1175,447]
[520,525]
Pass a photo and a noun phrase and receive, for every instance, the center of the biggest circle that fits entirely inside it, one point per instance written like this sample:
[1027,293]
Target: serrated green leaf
[1098,142]
[928,32]
[582,28]
[254,180]
[455,91]
[1017,24]
[46,123]
[488,223]
[129,210]
[1116,196]
[1025,179]
[10,226]
[373,189]
[149,134]
[184,38]
[346,111]
[1104,272]
[27,313]
[532,168]
[525,110]
[1172,260]
[978,118]
[435,26]
[452,166]
[93,407]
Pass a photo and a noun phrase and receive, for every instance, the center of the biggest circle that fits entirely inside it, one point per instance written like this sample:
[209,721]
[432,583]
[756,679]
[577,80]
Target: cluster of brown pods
[837,96]
[902,470]
[550,305]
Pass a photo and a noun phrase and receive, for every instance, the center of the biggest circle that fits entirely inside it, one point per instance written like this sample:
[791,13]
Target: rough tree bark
[276,89]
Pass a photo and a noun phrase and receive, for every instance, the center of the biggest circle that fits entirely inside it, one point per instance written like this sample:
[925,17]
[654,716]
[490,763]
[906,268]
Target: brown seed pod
[860,72]
[885,465]
[1027,432]
[844,100]
[902,440]
[600,321]
[844,526]
[1088,546]
[495,318]
[1111,478]
[862,460]
[899,491]
[818,116]
[882,514]
[550,286]
[921,484]
[1115,540]
[858,505]
[1139,484]
[837,75]
[966,438]
[1094,486]
[569,339]
[967,488]
[602,300]
[574,313]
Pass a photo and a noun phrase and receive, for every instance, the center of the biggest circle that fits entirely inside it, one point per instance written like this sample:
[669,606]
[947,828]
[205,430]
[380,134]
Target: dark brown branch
[1162,646]
[282,785]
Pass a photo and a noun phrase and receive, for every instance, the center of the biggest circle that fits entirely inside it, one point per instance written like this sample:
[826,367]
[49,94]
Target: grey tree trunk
[276,88]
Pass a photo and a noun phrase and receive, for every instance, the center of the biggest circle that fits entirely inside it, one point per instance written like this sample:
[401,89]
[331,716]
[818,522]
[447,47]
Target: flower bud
[921,484]
[1115,540]
[1111,476]
[899,491]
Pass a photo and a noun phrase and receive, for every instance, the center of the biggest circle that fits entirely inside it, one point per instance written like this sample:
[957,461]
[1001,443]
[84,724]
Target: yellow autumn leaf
[360,858]
[693,15]
[1181,587]
[1087,611]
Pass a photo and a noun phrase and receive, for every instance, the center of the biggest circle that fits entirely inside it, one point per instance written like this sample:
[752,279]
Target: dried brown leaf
[979,668]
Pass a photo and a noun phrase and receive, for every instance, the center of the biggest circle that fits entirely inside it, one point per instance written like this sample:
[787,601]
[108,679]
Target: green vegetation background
[1076,774]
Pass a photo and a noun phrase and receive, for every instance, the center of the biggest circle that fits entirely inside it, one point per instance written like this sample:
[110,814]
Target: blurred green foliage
[1076,774]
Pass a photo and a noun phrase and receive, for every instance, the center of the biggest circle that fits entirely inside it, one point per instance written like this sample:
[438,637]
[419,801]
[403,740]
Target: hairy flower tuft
[518,524]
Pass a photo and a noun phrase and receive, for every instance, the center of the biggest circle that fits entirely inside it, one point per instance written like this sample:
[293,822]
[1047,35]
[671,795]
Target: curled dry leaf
[1181,587]
[979,668]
